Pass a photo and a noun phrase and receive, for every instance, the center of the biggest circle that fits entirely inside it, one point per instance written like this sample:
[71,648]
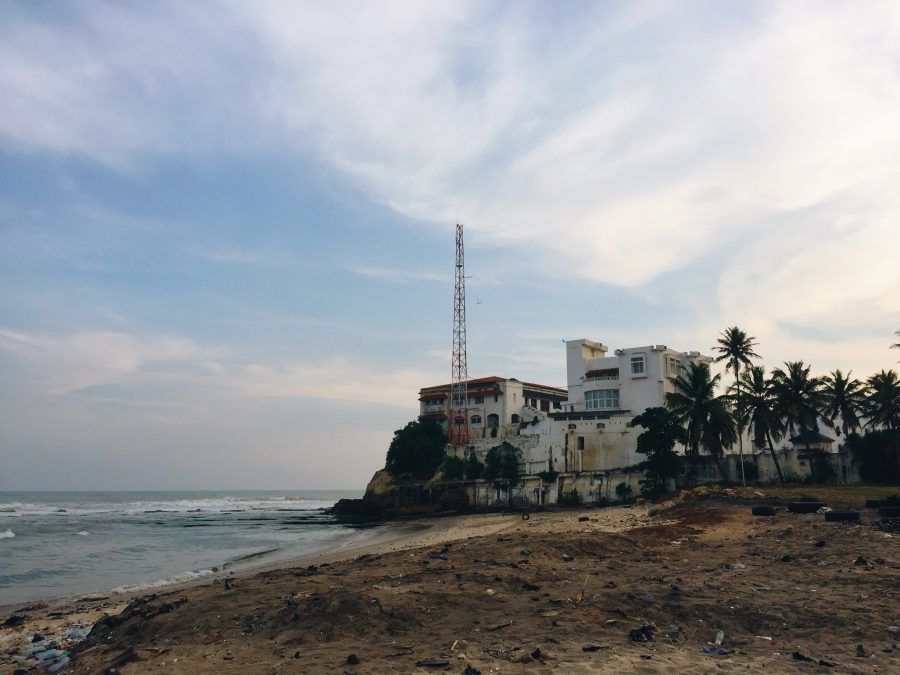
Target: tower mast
[458,422]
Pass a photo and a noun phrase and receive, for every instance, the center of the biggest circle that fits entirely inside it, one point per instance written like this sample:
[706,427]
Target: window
[601,398]
[637,365]
[581,442]
[478,399]
[493,421]
[557,405]
[545,406]
[514,398]
[495,398]
[674,366]
[475,419]
[514,419]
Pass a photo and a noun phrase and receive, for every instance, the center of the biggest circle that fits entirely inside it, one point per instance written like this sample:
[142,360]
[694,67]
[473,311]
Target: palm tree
[756,410]
[704,415]
[797,397]
[735,347]
[882,405]
[841,397]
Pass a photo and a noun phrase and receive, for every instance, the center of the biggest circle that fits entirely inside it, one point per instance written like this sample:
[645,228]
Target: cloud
[612,143]
[398,275]
[109,366]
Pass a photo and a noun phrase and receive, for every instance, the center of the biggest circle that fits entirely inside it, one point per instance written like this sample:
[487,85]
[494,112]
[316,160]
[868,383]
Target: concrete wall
[599,486]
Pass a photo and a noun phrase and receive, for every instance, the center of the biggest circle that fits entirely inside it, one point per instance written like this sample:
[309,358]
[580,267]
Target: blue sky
[226,229]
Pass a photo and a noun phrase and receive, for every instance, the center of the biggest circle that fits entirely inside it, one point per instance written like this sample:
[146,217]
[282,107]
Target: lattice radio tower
[458,424]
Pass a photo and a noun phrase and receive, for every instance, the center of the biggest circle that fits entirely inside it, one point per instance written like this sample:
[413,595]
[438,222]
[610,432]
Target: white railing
[613,378]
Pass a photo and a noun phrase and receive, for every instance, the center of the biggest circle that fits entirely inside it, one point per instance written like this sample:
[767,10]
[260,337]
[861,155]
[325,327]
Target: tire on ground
[873,503]
[839,516]
[764,510]
[889,511]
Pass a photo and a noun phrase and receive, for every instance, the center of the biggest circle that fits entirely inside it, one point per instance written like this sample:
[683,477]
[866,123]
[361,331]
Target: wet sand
[598,590]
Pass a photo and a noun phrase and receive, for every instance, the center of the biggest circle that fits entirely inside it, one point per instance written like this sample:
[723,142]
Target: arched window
[493,421]
[514,419]
[475,419]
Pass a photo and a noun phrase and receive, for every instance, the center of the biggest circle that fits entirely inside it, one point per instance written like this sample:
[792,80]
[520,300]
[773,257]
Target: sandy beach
[572,591]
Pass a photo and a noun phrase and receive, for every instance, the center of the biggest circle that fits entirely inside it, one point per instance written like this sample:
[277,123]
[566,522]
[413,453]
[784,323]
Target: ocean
[55,544]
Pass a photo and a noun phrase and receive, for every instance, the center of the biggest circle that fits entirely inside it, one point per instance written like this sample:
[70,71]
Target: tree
[841,397]
[797,397]
[882,406]
[704,415]
[501,464]
[453,468]
[756,411]
[735,347]
[501,467]
[662,432]
[474,467]
[896,345]
[417,449]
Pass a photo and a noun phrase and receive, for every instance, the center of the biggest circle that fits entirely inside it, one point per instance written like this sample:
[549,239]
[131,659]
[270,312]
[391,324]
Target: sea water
[56,544]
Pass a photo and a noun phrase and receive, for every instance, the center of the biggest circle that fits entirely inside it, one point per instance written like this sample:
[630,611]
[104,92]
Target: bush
[453,468]
[501,464]
[570,498]
[417,450]
[751,472]
[474,467]
[878,455]
[623,490]
[663,431]
[548,476]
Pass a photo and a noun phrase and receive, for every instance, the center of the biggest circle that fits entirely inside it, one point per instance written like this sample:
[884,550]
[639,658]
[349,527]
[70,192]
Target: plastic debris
[642,634]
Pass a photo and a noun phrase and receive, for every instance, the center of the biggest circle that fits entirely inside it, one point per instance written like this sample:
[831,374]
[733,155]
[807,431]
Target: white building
[593,431]
[629,381]
[497,406]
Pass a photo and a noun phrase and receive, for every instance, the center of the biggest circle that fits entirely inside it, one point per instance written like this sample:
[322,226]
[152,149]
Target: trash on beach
[593,648]
[799,656]
[642,634]
[470,670]
[717,651]
[863,653]
[432,663]
[498,626]
[719,637]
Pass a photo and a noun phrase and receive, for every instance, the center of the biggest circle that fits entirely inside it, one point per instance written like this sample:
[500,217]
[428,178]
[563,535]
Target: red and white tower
[458,423]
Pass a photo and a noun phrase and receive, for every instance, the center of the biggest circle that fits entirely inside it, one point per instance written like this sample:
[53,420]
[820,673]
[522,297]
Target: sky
[227,229]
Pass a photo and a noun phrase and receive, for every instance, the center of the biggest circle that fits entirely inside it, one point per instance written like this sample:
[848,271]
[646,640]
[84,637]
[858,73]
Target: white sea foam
[8,534]
[83,533]
[190,575]
[207,505]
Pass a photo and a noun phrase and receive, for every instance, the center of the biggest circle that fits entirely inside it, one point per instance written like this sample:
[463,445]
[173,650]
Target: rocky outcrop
[385,498]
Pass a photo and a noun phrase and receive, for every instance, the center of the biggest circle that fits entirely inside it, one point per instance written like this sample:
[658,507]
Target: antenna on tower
[458,424]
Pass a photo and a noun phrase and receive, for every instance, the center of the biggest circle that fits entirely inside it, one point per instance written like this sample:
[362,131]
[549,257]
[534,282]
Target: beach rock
[471,670]
[352,660]
[14,621]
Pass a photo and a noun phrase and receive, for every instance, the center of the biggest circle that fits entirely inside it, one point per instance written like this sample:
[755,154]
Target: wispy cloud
[398,275]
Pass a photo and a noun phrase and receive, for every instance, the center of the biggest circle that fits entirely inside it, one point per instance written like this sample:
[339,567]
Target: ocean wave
[190,575]
[211,505]
[8,534]
[83,533]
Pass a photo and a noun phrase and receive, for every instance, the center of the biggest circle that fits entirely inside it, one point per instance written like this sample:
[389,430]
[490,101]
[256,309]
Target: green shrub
[570,498]
[417,450]
[453,468]
[623,490]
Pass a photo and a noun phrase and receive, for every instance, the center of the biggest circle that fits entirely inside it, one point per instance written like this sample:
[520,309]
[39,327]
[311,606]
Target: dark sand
[555,593]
